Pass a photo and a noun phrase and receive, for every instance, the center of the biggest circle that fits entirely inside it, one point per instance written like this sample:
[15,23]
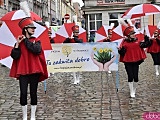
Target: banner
[73,57]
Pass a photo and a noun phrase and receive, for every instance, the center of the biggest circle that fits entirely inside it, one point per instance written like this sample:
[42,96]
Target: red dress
[134,52]
[154,48]
[29,63]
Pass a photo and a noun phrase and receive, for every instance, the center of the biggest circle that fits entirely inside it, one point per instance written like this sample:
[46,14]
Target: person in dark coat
[132,55]
[74,39]
[108,38]
[29,65]
[154,50]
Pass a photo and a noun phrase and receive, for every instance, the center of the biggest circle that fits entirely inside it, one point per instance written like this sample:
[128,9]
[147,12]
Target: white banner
[73,57]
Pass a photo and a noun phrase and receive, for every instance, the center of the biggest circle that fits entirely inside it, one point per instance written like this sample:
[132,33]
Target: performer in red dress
[29,65]
[132,55]
[75,39]
[154,50]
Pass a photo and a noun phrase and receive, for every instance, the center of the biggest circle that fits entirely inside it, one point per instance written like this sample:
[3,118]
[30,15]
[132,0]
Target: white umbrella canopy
[102,33]
[19,14]
[149,29]
[8,40]
[65,31]
[141,10]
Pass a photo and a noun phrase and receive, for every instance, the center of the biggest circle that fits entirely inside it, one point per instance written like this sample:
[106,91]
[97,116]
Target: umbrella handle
[143,22]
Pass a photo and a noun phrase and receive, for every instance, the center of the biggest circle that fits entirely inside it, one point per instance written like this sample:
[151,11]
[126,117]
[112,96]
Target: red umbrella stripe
[59,38]
[117,33]
[152,29]
[8,16]
[83,36]
[35,17]
[134,15]
[148,8]
[65,31]
[12,25]
[116,36]
[102,31]
[68,28]
[45,40]
[19,14]
[126,12]
[141,10]
[43,36]
[5,49]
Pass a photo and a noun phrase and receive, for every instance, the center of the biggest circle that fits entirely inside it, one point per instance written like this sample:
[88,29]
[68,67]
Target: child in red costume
[132,55]
[75,39]
[154,50]
[29,65]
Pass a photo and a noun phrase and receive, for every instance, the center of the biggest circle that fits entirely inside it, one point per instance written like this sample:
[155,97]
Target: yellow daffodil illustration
[103,55]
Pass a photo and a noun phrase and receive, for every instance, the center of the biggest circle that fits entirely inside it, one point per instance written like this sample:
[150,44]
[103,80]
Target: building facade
[79,14]
[52,11]
[105,12]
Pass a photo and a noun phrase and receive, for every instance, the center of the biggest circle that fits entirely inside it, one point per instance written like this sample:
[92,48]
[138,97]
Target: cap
[26,22]
[75,28]
[128,31]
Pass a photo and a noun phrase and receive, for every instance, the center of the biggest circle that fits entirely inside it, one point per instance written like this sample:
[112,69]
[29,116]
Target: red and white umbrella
[19,14]
[8,34]
[65,31]
[141,10]
[150,29]
[118,34]
[118,37]
[102,33]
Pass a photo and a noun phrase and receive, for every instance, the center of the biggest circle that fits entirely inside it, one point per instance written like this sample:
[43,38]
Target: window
[113,18]
[94,21]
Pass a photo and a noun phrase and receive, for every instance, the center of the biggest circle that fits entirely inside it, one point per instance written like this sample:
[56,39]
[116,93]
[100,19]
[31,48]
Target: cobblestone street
[95,98]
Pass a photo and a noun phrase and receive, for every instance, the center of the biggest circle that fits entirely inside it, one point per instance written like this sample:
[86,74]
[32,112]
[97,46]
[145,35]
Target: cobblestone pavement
[95,98]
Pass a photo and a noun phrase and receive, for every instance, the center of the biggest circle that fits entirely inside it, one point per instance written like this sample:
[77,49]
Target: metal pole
[153,19]
[153,2]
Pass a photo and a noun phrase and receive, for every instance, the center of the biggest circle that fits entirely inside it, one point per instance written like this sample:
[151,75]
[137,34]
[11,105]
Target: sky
[80,2]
